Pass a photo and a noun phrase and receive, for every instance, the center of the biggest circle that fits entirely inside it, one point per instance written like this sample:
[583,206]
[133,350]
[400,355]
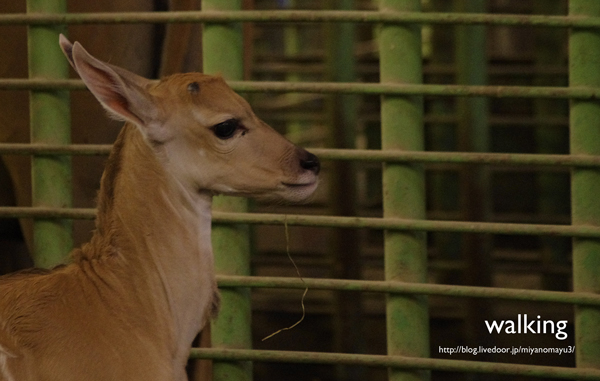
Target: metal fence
[404,221]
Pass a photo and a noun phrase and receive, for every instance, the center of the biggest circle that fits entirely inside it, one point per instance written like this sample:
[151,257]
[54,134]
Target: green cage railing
[404,221]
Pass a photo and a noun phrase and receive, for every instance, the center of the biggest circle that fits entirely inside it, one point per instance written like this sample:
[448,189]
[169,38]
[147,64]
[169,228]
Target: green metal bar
[409,364]
[341,222]
[458,157]
[49,124]
[581,298]
[405,252]
[387,16]
[349,334]
[291,50]
[352,155]
[41,84]
[222,51]
[474,181]
[442,119]
[54,149]
[552,188]
[584,60]
[579,92]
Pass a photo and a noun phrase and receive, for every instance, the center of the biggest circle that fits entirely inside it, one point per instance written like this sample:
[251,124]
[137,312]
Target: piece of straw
[287,248]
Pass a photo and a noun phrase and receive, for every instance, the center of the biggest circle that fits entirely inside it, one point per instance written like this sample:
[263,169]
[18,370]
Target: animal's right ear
[122,93]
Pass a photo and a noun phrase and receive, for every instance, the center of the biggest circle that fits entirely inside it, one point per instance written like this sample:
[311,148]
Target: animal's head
[204,133]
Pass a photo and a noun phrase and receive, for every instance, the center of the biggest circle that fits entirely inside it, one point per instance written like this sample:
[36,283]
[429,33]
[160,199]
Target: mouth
[299,192]
[300,185]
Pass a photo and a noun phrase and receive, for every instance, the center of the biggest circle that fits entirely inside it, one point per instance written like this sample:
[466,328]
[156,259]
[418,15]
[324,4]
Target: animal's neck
[160,231]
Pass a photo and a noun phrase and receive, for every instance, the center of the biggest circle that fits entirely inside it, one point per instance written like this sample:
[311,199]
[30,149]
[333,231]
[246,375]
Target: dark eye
[226,129]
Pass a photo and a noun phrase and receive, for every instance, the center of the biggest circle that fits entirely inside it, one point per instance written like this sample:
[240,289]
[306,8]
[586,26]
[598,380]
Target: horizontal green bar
[514,159]
[47,213]
[302,16]
[340,222]
[409,225]
[458,157]
[417,89]
[580,298]
[352,88]
[41,84]
[396,362]
[49,149]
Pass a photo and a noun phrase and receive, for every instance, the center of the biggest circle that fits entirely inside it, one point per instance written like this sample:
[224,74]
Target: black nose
[311,163]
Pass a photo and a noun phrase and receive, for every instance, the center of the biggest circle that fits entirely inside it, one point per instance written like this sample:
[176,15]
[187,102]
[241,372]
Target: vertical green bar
[473,136]
[291,50]
[405,253]
[584,61]
[222,53]
[552,188]
[345,248]
[50,123]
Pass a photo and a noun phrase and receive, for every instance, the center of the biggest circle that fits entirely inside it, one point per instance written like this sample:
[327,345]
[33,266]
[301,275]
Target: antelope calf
[129,303]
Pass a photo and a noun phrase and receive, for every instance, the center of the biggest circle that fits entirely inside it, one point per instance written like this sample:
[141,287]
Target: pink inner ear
[119,105]
[108,91]
[105,86]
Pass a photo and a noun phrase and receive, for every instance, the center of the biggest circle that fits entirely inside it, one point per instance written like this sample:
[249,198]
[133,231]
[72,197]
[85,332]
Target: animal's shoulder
[8,346]
[23,274]
[23,284]
[24,296]
[26,289]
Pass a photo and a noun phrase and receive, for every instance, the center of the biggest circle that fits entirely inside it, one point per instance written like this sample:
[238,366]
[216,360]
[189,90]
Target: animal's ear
[67,49]
[124,94]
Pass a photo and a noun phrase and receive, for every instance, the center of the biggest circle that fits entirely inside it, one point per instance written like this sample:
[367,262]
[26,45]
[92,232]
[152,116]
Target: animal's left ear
[67,49]
[122,93]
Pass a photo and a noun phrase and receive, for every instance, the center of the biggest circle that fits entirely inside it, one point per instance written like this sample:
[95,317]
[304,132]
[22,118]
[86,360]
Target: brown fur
[130,302]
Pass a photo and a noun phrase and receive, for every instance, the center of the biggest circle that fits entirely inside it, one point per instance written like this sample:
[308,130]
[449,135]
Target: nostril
[311,163]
